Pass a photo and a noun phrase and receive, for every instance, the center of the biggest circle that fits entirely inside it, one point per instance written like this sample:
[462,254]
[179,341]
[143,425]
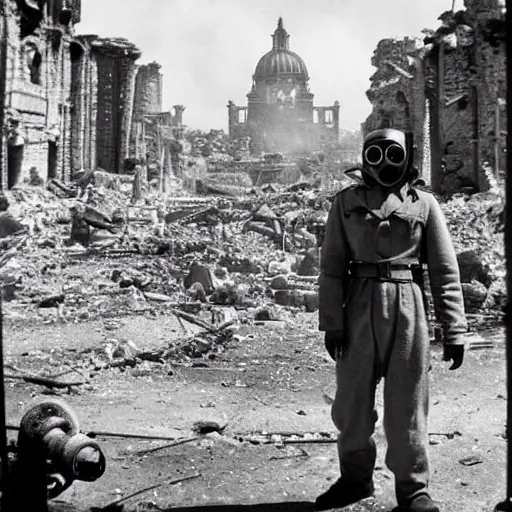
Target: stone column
[128,91]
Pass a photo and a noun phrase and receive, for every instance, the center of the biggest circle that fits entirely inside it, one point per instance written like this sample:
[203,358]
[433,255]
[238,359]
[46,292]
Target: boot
[343,493]
[422,503]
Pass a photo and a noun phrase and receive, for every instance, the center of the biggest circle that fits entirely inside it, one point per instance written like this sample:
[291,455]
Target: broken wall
[48,76]
[490,57]
[84,97]
[147,104]
[37,76]
[115,60]
[148,90]
[458,83]
[327,121]
[397,93]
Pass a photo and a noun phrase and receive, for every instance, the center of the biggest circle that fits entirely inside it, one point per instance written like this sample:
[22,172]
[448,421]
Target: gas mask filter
[387,156]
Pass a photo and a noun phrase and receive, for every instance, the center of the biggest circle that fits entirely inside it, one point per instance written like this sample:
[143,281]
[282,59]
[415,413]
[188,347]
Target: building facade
[38,58]
[117,69]
[280,115]
[68,103]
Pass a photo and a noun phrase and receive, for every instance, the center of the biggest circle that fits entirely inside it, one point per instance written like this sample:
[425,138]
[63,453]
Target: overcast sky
[209,49]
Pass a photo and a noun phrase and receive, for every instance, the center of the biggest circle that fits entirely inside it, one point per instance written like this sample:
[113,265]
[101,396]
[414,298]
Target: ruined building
[397,94]
[450,90]
[39,57]
[154,132]
[280,116]
[116,88]
[69,101]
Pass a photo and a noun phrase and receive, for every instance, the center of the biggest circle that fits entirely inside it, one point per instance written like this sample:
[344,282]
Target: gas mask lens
[373,155]
[395,154]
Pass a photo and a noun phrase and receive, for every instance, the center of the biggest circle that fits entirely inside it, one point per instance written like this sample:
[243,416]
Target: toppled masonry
[99,255]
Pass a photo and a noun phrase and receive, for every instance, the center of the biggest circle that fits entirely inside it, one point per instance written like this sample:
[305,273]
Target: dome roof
[280,60]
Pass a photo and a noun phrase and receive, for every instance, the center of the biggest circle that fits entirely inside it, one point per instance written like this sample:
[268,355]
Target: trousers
[386,337]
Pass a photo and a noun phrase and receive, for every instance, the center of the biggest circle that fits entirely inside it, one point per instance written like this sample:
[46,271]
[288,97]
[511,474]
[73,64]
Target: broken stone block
[59,189]
[471,268]
[245,266]
[265,213]
[80,230]
[225,295]
[496,295]
[202,345]
[311,301]
[279,283]
[261,228]
[200,274]
[116,275]
[157,297]
[292,298]
[63,220]
[125,350]
[474,294]
[9,291]
[101,178]
[307,239]
[96,218]
[221,315]
[118,216]
[310,265]
[279,267]
[4,203]
[196,292]
[207,427]
[125,282]
[221,272]
[266,314]
[271,324]
[52,301]
[9,226]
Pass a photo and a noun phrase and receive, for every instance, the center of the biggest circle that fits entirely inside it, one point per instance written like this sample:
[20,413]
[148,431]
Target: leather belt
[383,271]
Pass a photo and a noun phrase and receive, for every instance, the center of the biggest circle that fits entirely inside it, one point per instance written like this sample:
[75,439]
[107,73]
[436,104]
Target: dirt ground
[269,379]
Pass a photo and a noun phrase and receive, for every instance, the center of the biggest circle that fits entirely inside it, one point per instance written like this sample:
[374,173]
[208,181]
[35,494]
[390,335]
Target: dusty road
[273,380]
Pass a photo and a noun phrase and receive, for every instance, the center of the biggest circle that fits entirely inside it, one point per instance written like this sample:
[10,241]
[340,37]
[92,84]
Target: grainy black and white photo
[253,256]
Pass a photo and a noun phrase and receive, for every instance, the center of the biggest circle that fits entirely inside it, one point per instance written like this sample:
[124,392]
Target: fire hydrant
[51,454]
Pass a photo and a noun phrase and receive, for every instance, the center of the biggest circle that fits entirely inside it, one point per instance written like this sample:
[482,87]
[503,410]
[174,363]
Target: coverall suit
[384,325]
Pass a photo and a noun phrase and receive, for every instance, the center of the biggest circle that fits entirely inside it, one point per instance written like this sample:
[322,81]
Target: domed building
[280,116]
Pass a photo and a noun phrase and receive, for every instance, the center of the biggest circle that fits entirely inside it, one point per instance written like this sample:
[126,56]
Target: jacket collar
[382,203]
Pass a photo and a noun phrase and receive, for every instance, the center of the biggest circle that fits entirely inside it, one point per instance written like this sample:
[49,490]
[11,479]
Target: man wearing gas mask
[373,313]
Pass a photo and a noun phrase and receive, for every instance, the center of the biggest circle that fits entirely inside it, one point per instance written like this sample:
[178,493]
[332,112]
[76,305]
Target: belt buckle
[384,270]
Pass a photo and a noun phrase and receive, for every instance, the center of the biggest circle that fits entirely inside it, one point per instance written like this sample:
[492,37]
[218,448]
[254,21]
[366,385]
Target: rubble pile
[94,252]
[476,225]
[98,255]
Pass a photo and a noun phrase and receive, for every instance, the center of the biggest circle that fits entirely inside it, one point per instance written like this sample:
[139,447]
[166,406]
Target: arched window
[32,60]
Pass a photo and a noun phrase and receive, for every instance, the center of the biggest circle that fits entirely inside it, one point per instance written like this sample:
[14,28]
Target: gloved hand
[454,353]
[333,343]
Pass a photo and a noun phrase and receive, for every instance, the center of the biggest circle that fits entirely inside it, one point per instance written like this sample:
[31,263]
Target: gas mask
[387,157]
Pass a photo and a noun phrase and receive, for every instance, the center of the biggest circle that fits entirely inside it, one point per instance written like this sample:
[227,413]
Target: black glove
[333,343]
[454,353]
